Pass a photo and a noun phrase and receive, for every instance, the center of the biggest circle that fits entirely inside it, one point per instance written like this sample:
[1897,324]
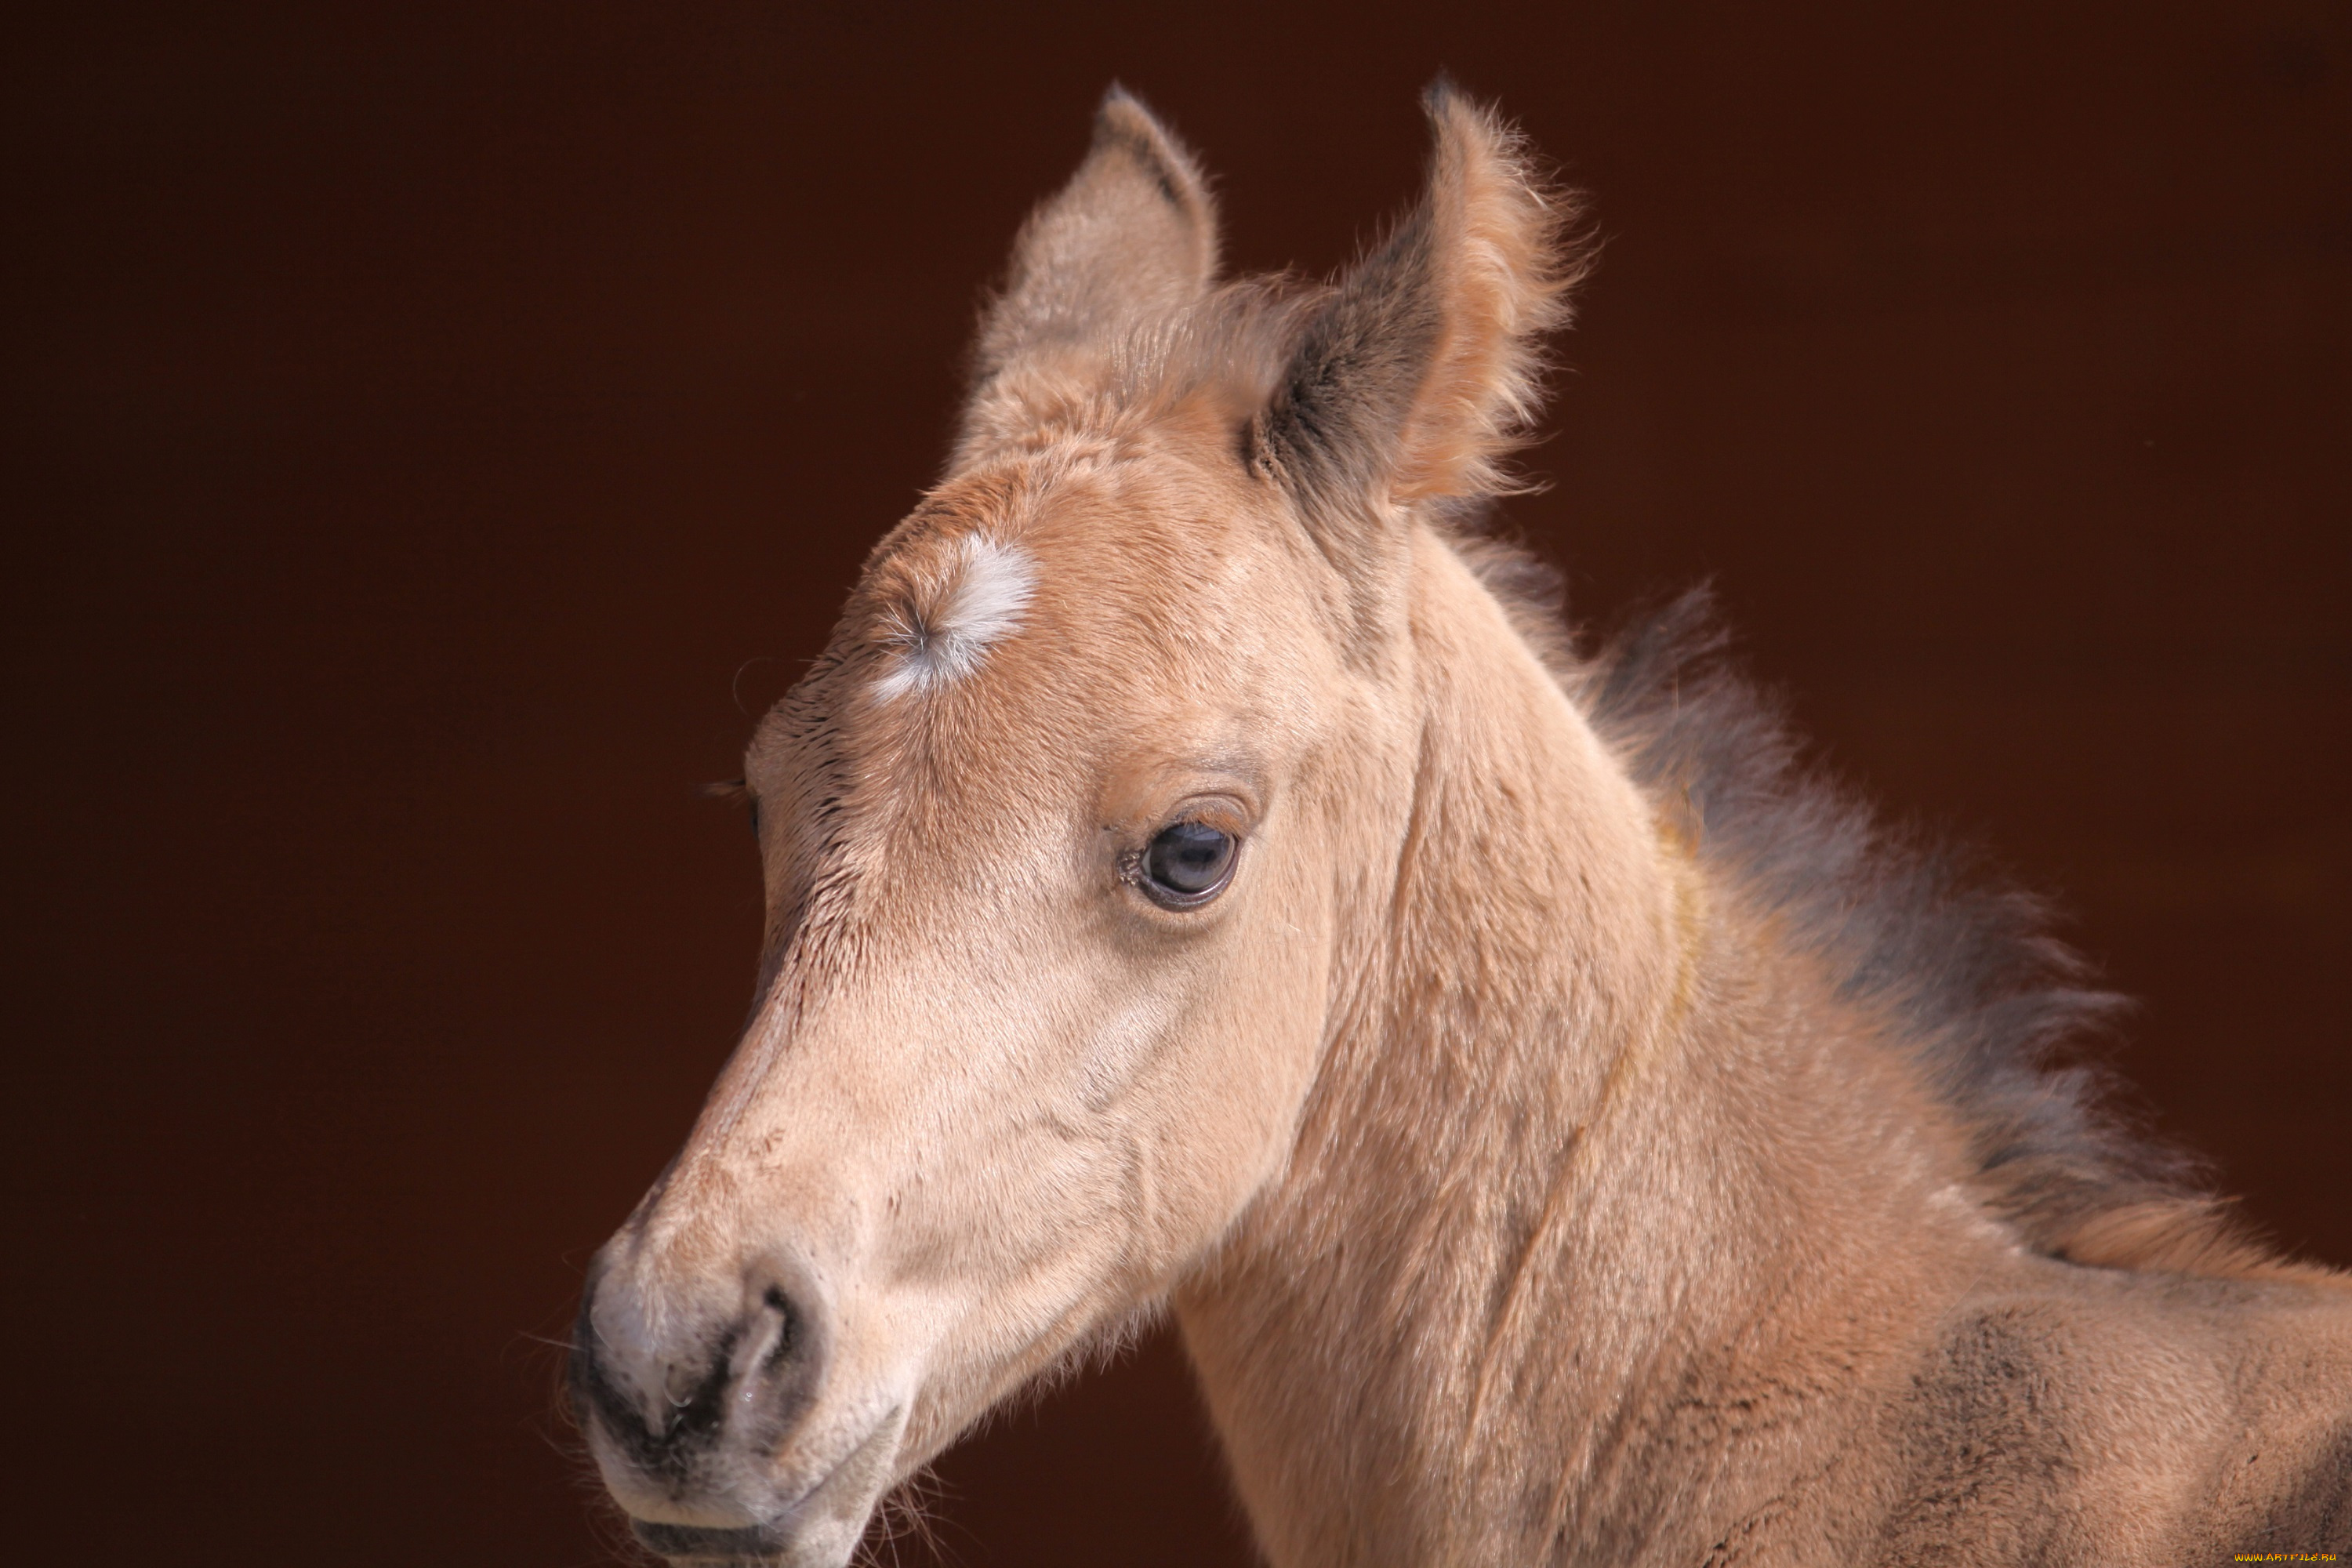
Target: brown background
[418,425]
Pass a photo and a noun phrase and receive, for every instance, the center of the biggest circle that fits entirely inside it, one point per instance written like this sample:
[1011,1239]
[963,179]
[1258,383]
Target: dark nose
[663,1407]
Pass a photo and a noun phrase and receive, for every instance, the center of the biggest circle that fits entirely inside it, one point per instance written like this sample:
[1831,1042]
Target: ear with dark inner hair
[1417,376]
[1131,239]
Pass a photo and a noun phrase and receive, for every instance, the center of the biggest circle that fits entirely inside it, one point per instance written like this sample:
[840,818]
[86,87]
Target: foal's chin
[741,1502]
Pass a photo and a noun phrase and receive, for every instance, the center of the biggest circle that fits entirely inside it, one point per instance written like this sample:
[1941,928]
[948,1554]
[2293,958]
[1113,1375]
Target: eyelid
[1222,812]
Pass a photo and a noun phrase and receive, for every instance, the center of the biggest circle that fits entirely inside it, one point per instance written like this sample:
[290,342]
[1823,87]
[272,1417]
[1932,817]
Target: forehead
[1052,598]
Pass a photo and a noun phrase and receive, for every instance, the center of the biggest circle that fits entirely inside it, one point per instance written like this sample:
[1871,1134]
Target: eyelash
[735,792]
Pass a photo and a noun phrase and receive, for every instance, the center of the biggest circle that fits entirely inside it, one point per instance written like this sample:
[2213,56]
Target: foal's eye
[1189,863]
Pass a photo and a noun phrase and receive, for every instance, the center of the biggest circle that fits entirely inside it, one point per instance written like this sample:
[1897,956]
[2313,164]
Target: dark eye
[1189,863]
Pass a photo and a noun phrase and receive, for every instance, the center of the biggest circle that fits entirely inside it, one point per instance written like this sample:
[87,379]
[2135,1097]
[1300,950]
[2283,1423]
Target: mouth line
[699,1542]
[702,1541]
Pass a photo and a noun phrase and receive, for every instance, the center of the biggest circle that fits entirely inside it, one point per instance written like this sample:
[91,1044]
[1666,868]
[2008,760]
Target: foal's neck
[1557,1190]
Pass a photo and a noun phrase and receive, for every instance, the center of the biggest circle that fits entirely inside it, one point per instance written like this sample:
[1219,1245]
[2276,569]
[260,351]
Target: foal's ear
[1417,375]
[1130,238]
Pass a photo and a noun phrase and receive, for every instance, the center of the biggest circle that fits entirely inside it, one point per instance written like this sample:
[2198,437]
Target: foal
[1197,874]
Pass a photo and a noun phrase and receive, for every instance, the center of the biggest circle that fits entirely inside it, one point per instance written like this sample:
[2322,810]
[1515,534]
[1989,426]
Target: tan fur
[1500,236]
[1528,1187]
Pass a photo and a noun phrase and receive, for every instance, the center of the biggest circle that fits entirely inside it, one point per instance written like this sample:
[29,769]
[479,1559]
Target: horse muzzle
[716,1429]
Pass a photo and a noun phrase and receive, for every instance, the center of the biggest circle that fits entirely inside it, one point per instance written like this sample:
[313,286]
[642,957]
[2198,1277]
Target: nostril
[782,1353]
[655,1410]
[777,1335]
[661,1400]
[789,1327]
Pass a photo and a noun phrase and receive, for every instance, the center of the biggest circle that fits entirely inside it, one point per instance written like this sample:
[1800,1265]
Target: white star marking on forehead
[988,586]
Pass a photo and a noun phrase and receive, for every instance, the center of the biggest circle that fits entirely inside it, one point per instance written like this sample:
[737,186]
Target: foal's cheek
[1120,1052]
[1258,1037]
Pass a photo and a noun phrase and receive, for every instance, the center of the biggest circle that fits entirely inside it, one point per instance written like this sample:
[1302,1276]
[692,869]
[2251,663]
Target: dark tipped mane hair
[1995,1009]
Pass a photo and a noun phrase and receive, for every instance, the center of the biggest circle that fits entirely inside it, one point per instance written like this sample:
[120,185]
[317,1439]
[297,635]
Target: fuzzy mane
[1995,1009]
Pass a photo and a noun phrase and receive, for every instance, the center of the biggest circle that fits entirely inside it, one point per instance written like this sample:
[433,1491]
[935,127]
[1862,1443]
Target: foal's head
[1069,839]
